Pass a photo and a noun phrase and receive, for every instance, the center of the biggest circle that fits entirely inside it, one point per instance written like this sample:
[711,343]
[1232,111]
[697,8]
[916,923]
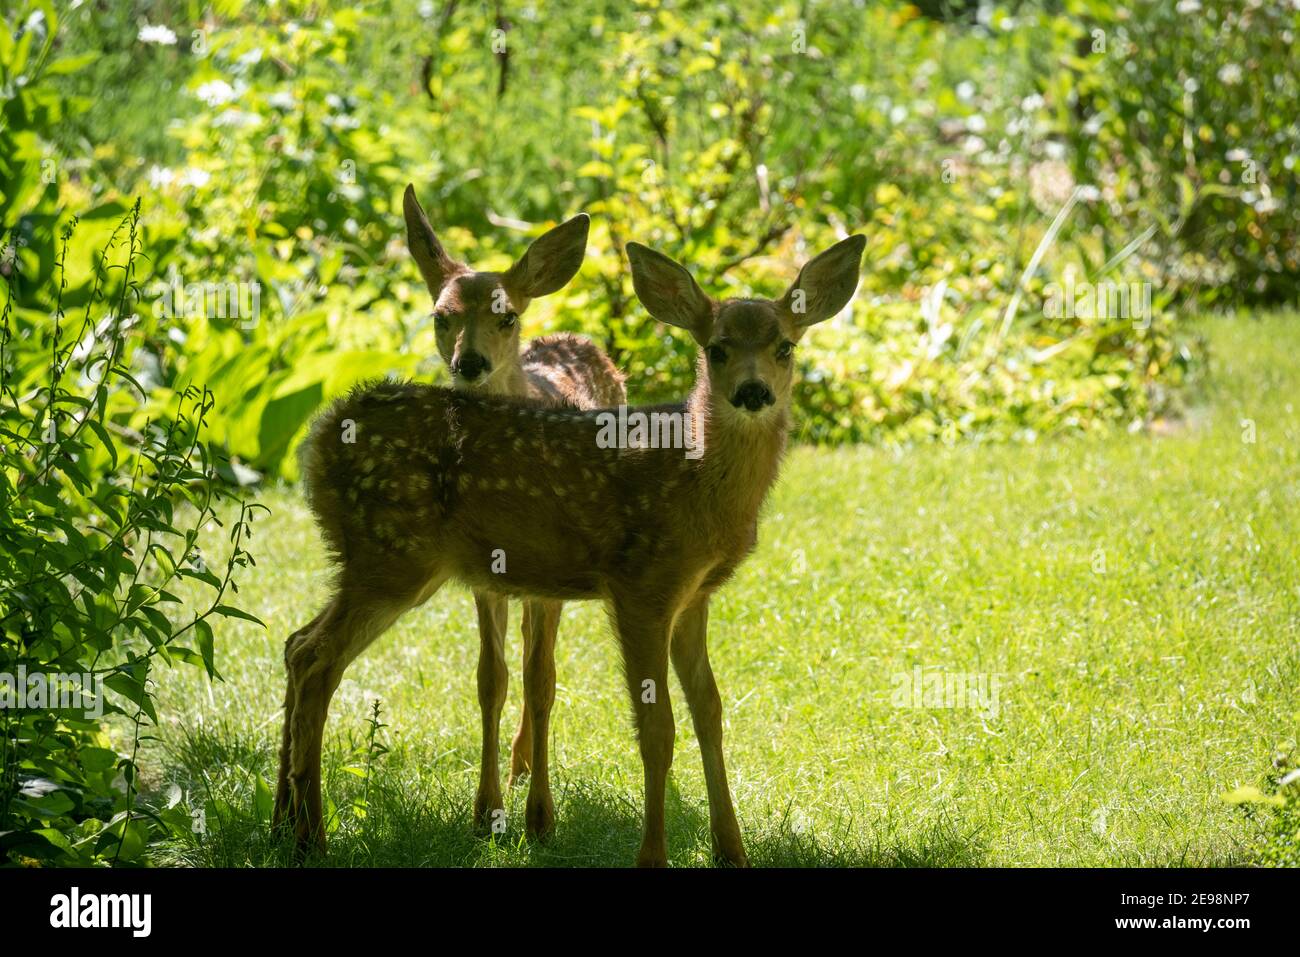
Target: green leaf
[263,802]
[203,638]
[105,439]
[229,611]
[1248,794]
[97,759]
[133,691]
[47,806]
[69,64]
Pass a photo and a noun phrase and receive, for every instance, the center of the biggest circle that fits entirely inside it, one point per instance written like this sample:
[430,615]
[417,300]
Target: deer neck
[511,381]
[741,459]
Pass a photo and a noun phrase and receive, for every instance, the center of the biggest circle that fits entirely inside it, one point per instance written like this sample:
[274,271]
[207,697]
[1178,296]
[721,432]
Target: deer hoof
[539,817]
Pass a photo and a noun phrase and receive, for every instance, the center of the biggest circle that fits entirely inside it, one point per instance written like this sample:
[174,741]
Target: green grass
[1136,594]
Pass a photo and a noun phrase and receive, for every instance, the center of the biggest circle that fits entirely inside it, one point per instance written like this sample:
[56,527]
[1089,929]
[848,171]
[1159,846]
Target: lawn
[1134,599]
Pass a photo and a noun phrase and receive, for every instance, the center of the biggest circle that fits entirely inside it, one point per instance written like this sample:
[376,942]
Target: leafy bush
[1275,811]
[1185,115]
[739,140]
[100,515]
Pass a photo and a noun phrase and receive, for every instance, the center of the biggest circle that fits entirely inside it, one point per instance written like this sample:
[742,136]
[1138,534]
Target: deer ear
[670,293]
[435,265]
[551,261]
[826,283]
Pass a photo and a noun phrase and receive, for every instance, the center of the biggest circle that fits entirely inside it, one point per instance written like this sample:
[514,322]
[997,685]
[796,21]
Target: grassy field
[1135,598]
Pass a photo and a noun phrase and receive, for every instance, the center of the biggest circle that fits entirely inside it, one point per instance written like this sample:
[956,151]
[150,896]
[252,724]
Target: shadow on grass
[599,826]
[406,818]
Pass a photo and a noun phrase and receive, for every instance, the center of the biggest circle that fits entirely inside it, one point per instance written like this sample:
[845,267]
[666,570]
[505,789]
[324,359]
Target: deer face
[748,343]
[750,357]
[476,314]
[477,328]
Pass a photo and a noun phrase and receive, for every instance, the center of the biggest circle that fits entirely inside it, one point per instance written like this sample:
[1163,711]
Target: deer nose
[753,395]
[470,366]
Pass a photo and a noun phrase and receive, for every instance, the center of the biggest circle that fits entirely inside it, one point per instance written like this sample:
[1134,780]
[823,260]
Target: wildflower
[160,176]
[193,176]
[1050,184]
[215,92]
[156,34]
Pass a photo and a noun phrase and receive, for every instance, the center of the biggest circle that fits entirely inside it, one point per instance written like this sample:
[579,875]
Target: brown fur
[478,312]
[564,369]
[438,481]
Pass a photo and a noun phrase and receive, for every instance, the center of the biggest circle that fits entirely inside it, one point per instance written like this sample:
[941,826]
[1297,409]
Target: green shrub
[739,140]
[101,514]
[1185,115]
[1274,810]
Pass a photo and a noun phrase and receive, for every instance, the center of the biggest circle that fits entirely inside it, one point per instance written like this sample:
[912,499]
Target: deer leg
[644,641]
[691,662]
[492,677]
[282,791]
[521,748]
[315,664]
[539,695]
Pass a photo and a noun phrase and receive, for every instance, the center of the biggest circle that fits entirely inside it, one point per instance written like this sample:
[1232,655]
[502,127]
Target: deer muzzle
[753,395]
[470,365]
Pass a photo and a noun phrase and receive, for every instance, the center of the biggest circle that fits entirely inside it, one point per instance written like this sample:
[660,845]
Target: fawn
[476,323]
[429,492]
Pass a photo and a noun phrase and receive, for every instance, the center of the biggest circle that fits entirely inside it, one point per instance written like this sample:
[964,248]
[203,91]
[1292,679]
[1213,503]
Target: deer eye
[785,350]
[717,355]
[508,320]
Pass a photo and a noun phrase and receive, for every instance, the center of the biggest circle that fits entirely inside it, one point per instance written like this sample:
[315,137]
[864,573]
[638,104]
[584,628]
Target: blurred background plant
[271,145]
